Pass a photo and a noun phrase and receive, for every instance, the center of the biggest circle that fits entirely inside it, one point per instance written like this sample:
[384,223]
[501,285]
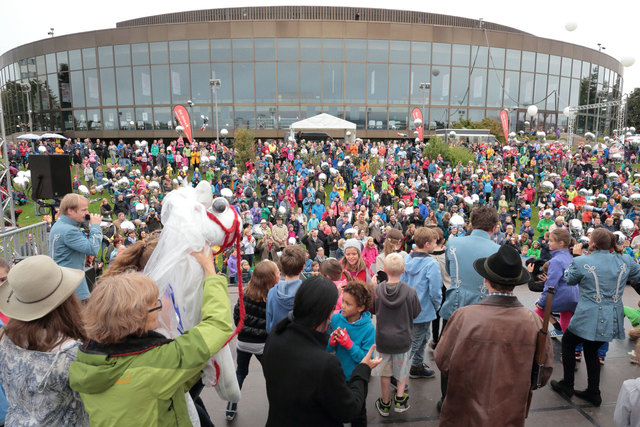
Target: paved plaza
[547,408]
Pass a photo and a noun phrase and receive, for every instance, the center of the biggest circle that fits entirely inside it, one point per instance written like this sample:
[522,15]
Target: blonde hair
[394,264]
[119,306]
[71,201]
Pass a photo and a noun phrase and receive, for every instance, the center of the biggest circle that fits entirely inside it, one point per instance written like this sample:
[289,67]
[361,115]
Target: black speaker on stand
[50,176]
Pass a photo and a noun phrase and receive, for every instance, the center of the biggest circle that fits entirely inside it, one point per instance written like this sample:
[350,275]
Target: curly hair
[135,257]
[362,293]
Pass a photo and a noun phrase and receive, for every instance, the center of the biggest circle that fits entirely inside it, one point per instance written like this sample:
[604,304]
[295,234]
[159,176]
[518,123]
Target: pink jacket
[369,254]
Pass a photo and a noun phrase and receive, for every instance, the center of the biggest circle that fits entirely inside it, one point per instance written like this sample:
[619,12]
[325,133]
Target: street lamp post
[26,88]
[215,84]
[424,86]
[193,119]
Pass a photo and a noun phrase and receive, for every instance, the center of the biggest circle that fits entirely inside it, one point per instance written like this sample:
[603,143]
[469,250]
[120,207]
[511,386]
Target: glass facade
[269,83]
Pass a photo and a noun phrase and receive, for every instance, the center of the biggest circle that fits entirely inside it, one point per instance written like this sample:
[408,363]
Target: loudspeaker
[50,176]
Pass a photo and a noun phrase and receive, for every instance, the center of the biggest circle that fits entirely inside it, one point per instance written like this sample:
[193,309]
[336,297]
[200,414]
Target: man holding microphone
[68,245]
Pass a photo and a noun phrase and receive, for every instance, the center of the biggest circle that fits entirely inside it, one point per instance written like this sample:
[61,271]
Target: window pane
[399,51]
[125,90]
[459,84]
[54,93]
[51,63]
[93,120]
[419,74]
[540,91]
[441,78]
[554,64]
[265,49]
[333,82]
[477,89]
[528,61]
[77,89]
[91,87]
[377,84]
[159,53]
[575,92]
[287,115]
[162,118]
[108,86]
[200,89]
[576,69]
[105,55]
[244,118]
[494,92]
[243,82]
[399,84]
[140,54]
[223,72]
[122,54]
[420,52]
[355,115]
[566,67]
[441,53]
[109,117]
[126,119]
[476,115]
[225,117]
[586,68]
[199,50]
[333,49]
[513,59]
[220,50]
[356,50]
[511,86]
[266,117]
[89,57]
[266,83]
[460,54]
[356,84]
[496,57]
[160,84]
[542,63]
[143,118]
[178,51]
[288,82]
[287,50]
[310,81]
[398,118]
[80,119]
[526,88]
[142,85]
[479,56]
[563,98]
[75,60]
[378,51]
[552,86]
[310,49]
[376,118]
[179,83]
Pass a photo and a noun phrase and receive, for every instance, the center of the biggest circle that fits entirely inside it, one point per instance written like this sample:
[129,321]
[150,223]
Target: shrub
[245,148]
[451,154]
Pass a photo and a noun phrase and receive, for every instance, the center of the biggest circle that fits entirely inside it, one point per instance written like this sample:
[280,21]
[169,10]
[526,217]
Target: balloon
[634,199]
[224,133]
[532,110]
[571,26]
[628,61]
[576,227]
[42,149]
[127,225]
[435,72]
[226,192]
[83,190]
[417,122]
[627,227]
[547,187]
[456,221]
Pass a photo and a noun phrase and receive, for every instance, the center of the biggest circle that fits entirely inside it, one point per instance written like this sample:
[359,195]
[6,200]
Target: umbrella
[52,136]
[28,136]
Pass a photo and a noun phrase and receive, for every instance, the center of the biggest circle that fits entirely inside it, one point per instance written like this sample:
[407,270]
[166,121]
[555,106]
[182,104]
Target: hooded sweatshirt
[422,273]
[362,333]
[280,301]
[396,306]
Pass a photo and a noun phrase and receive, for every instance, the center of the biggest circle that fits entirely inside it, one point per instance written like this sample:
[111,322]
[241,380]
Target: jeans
[569,343]
[242,360]
[419,342]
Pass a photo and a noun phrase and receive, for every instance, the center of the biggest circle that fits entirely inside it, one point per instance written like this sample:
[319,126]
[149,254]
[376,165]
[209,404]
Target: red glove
[334,342]
[344,340]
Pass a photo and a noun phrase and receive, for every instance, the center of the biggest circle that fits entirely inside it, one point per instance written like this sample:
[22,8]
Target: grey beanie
[353,243]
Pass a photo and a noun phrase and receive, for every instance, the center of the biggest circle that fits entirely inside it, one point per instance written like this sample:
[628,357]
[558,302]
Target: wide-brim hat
[37,286]
[503,268]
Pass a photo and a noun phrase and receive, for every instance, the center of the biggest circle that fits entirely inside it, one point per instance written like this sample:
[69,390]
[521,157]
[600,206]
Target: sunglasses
[159,307]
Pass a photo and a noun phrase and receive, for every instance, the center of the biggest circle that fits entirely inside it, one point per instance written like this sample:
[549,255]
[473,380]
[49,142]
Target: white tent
[325,123]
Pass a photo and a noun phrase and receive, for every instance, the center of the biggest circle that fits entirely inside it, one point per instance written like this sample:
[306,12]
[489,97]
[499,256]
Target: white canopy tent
[325,123]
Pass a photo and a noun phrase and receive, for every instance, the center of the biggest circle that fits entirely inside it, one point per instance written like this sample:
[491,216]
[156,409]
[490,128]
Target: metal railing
[19,243]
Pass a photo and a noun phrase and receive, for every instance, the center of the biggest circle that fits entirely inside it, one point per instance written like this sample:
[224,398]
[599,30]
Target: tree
[245,148]
[633,109]
[494,126]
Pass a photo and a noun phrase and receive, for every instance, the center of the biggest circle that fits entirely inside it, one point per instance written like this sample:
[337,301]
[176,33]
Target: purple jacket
[566,297]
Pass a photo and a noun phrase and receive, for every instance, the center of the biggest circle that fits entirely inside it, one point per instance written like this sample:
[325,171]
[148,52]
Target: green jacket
[544,224]
[148,388]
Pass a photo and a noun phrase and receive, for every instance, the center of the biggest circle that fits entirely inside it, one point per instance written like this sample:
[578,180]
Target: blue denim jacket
[68,247]
[467,286]
[601,277]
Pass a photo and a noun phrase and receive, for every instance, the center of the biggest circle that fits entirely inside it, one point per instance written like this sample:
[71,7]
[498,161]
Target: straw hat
[37,286]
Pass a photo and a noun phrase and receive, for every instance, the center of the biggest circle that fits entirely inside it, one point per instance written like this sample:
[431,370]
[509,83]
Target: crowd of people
[369,251]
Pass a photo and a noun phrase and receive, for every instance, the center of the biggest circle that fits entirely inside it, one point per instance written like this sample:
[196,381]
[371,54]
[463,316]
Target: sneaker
[578,356]
[394,385]
[383,408]
[555,333]
[601,359]
[562,389]
[590,396]
[401,404]
[232,410]
[422,371]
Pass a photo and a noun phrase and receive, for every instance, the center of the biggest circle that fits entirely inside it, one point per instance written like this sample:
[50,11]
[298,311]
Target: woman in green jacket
[129,375]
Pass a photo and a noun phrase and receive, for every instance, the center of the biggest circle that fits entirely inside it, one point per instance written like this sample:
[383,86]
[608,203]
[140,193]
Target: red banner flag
[182,115]
[504,118]
[416,113]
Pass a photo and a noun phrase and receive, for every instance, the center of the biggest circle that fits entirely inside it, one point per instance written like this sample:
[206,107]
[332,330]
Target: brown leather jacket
[487,351]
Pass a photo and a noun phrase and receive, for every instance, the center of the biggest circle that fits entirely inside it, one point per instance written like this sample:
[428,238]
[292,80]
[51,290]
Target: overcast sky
[598,21]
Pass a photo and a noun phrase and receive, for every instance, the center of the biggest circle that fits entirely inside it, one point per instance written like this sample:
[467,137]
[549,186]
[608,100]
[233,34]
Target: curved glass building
[277,65]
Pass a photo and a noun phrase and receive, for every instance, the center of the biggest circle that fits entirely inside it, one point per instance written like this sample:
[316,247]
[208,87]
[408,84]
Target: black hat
[503,268]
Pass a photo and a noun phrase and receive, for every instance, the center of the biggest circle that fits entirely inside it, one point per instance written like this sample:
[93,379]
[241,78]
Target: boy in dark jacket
[396,305]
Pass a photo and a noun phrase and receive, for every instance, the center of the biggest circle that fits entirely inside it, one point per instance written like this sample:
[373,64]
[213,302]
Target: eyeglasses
[159,307]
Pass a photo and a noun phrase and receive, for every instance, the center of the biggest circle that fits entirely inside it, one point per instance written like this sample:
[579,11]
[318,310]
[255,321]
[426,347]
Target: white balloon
[567,112]
[628,61]
[83,190]
[127,225]
[224,133]
[532,110]
[571,26]
[417,122]
[42,149]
